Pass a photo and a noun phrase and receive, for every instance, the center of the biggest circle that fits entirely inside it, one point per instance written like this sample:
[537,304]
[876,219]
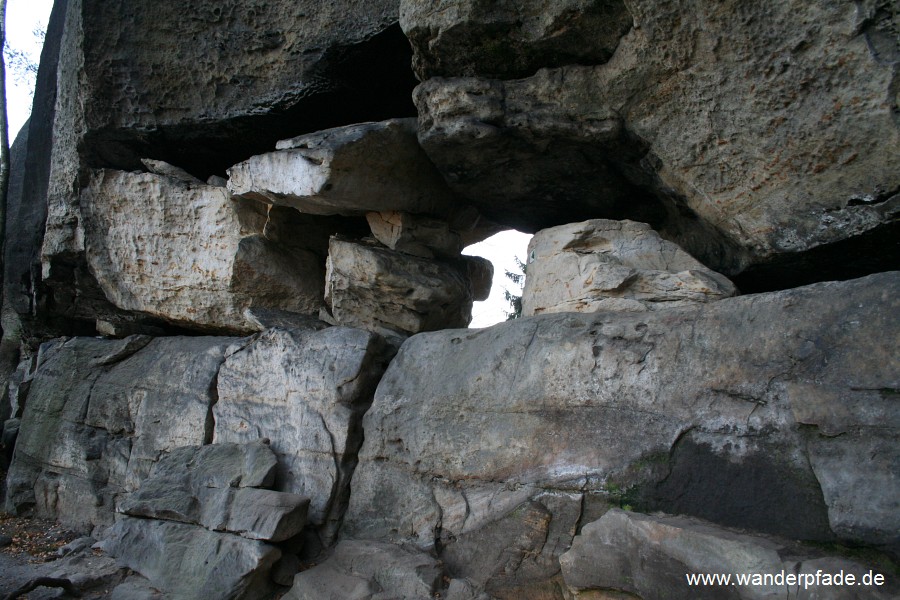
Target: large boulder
[654,557]
[722,411]
[752,134]
[392,293]
[510,39]
[306,392]
[188,253]
[613,265]
[99,414]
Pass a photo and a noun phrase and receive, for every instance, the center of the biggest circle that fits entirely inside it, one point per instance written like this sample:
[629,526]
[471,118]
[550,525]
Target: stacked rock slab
[615,266]
[188,253]
[752,134]
[651,556]
[721,411]
[205,522]
[413,278]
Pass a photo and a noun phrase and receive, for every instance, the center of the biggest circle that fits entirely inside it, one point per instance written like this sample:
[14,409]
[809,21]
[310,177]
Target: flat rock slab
[392,293]
[215,486]
[651,556]
[607,265]
[348,170]
[188,253]
[108,406]
[305,391]
[719,411]
[369,570]
[192,562]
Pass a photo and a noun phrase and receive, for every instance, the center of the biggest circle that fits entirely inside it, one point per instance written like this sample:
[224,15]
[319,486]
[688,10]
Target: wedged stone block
[100,413]
[369,570]
[613,265]
[652,556]
[720,411]
[305,391]
[191,562]
[412,234]
[188,253]
[508,40]
[348,170]
[391,293]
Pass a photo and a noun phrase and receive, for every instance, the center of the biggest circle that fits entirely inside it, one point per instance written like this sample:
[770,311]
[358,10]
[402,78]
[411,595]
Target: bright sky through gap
[22,18]
[501,249]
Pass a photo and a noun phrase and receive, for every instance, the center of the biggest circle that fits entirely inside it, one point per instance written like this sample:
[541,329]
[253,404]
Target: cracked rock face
[746,131]
[616,266]
[188,253]
[99,415]
[721,411]
[306,392]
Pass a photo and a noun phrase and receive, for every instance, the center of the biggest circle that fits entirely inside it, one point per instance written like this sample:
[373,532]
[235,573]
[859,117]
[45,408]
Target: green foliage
[515,299]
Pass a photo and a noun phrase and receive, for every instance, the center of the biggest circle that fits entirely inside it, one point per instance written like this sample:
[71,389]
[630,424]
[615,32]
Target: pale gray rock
[391,293]
[191,562]
[613,265]
[508,39]
[649,556]
[214,486]
[750,134]
[136,587]
[369,570]
[714,411]
[348,170]
[100,414]
[160,167]
[412,234]
[305,391]
[198,262]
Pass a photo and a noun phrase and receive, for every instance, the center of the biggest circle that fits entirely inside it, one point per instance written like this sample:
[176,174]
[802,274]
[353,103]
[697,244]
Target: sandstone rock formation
[305,391]
[99,414]
[348,171]
[392,293]
[753,135]
[720,411]
[649,557]
[613,265]
[183,252]
[412,234]
[360,570]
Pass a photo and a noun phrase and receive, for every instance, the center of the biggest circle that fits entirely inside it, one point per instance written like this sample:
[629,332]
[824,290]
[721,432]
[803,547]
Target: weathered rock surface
[412,234]
[182,252]
[347,171]
[369,570]
[391,293]
[721,411]
[100,413]
[613,265]
[305,391]
[215,486]
[649,556]
[510,39]
[192,562]
[750,134]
